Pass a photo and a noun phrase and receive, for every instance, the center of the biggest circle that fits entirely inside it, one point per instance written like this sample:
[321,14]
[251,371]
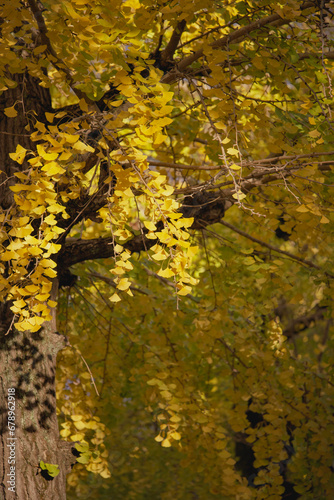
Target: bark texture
[28,420]
[28,365]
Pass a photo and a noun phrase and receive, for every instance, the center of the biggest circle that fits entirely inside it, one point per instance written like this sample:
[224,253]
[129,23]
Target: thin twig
[86,364]
[54,59]
[252,163]
[306,262]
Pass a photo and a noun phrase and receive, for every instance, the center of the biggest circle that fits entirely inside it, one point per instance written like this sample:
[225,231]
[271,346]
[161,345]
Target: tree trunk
[29,427]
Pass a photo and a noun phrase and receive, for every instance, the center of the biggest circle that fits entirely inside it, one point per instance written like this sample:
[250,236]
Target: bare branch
[305,262]
[178,166]
[266,162]
[111,282]
[326,55]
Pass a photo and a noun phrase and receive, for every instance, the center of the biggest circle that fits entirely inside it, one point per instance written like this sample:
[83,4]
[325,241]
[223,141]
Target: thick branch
[325,55]
[85,207]
[303,322]
[168,53]
[237,35]
[205,208]
[78,250]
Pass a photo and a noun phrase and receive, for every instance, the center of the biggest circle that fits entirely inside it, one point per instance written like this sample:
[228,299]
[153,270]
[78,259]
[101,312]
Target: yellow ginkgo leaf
[184,290]
[166,273]
[150,225]
[123,284]
[105,474]
[166,443]
[233,151]
[19,154]
[114,298]
[10,112]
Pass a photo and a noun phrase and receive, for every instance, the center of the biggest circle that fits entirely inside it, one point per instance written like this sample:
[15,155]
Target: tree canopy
[166,194]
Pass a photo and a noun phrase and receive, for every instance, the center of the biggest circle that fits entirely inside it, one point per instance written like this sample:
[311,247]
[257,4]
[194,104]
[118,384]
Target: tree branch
[168,54]
[305,262]
[263,175]
[303,322]
[206,209]
[237,35]
[78,250]
[155,163]
[204,205]
[85,207]
[55,61]
[265,162]
[110,281]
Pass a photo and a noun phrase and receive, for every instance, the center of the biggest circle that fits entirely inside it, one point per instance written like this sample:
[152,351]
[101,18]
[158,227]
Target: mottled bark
[29,428]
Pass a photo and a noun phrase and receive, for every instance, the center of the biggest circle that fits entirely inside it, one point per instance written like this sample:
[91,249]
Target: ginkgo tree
[166,221]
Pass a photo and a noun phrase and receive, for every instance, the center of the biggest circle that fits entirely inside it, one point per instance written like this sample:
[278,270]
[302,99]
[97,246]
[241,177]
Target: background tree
[165,191]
